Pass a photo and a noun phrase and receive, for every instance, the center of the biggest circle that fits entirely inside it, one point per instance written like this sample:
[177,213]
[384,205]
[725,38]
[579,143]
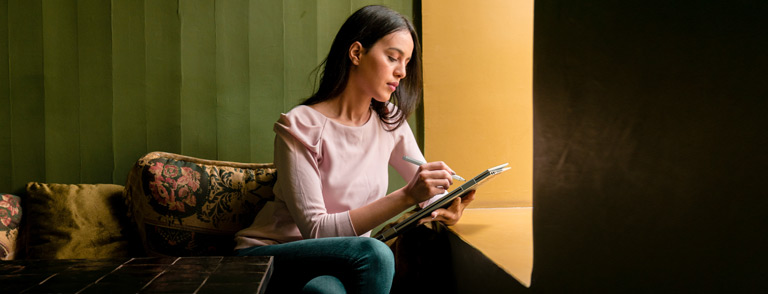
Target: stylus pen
[418,162]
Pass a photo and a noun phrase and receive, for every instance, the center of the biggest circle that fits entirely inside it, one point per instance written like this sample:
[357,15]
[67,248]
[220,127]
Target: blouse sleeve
[299,184]
[405,145]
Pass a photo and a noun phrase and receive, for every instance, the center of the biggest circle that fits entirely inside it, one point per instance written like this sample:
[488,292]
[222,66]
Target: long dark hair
[367,25]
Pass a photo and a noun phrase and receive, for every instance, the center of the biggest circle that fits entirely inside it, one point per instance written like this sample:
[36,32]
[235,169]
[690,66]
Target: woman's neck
[345,110]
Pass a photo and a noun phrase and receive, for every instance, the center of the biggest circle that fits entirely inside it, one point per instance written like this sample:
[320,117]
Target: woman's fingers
[452,214]
[437,186]
[438,165]
[431,179]
[434,217]
[468,198]
[436,174]
[441,215]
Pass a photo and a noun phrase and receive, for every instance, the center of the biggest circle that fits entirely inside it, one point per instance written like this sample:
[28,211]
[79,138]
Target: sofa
[170,205]
[174,205]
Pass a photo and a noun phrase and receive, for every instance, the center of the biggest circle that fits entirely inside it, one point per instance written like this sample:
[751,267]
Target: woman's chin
[382,100]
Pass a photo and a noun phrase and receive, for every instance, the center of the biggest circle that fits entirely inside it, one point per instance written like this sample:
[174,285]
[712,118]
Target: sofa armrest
[187,206]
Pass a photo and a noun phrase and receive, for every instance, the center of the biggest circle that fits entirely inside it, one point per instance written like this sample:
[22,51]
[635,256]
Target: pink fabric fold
[307,129]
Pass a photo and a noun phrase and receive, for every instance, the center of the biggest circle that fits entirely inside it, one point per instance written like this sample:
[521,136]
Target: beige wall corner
[478,113]
[478,96]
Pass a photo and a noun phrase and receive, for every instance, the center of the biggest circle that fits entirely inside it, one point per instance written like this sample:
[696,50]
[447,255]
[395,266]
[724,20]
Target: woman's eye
[392,59]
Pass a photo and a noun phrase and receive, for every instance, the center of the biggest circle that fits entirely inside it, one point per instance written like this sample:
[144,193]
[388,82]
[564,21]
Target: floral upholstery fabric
[186,206]
[10,216]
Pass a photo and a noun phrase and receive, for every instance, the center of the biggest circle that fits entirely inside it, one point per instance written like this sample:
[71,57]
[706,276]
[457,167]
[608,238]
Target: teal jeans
[328,265]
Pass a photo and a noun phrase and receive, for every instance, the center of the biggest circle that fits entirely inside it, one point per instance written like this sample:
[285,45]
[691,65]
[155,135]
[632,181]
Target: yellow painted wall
[478,93]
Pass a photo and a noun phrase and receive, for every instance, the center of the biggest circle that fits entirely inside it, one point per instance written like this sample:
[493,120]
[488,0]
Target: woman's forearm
[366,218]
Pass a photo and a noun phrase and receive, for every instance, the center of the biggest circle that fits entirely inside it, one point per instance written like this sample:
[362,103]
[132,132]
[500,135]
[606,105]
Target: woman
[332,154]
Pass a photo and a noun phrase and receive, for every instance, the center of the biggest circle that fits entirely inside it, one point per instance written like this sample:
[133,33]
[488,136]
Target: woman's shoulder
[304,114]
[303,123]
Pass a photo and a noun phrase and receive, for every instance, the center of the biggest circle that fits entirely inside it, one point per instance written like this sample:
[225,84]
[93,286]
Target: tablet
[443,202]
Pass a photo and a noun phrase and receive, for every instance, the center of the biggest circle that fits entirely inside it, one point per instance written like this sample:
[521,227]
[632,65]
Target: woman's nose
[400,71]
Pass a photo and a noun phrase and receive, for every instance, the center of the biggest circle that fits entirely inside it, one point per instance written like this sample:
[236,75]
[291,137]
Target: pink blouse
[324,170]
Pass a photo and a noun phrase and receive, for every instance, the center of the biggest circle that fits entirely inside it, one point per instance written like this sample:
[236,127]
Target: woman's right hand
[431,179]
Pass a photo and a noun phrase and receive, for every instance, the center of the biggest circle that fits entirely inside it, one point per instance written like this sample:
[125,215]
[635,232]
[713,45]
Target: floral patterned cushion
[186,206]
[10,216]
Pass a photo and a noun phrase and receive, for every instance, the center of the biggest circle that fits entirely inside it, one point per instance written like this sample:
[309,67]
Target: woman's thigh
[359,262]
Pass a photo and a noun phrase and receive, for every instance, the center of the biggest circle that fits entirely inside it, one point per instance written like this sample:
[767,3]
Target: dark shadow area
[422,262]
[649,146]
[439,261]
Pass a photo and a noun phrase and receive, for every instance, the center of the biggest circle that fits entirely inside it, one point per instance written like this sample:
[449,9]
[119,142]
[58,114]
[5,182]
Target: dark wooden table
[216,274]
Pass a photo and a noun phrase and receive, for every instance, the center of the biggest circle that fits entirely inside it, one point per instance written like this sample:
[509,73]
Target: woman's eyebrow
[398,50]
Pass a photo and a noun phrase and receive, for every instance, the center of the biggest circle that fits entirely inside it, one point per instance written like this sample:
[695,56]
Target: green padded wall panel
[89,86]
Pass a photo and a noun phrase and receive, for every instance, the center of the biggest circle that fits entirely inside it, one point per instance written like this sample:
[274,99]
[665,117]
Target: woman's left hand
[451,215]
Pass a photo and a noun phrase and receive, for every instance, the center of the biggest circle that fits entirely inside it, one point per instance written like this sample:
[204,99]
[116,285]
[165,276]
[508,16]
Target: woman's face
[381,67]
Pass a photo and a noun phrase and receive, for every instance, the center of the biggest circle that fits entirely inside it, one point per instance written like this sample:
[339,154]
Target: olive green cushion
[75,221]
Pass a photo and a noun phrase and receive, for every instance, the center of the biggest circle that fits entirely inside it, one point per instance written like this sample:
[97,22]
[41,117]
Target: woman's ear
[355,52]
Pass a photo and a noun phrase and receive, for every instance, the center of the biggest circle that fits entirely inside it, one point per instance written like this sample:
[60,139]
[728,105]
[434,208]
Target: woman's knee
[376,252]
[324,284]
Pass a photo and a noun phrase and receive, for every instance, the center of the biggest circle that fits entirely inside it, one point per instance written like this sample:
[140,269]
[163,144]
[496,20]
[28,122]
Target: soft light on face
[383,66]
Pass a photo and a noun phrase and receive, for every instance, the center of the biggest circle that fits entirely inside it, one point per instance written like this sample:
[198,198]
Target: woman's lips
[392,86]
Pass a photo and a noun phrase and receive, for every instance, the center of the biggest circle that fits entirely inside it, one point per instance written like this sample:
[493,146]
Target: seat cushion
[186,206]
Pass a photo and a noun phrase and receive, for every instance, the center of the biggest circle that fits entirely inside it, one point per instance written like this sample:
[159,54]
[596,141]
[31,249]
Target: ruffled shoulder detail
[303,124]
